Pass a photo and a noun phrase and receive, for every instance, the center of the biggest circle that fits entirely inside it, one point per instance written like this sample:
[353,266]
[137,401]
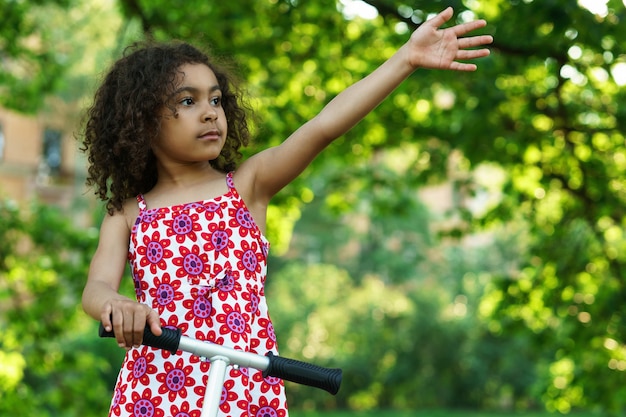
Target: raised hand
[435,48]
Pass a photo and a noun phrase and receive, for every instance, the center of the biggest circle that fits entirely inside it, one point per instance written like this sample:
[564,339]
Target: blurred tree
[30,64]
[53,48]
[542,110]
[555,128]
[47,366]
[398,308]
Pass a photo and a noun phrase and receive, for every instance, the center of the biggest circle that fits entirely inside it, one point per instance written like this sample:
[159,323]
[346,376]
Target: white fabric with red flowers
[202,266]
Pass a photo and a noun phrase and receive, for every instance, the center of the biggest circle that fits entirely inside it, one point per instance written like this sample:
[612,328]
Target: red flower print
[175,379]
[192,264]
[200,389]
[165,293]
[199,306]
[209,336]
[241,219]
[213,209]
[265,248]
[140,284]
[183,226]
[229,286]
[254,343]
[269,383]
[252,306]
[250,259]
[201,267]
[195,206]
[218,238]
[118,399]
[228,396]
[141,367]
[267,409]
[267,333]
[150,218]
[154,252]
[172,323]
[145,405]
[242,373]
[184,411]
[234,323]
[243,405]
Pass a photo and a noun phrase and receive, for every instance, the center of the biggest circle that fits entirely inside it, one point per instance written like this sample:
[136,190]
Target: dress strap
[229,180]
[141,202]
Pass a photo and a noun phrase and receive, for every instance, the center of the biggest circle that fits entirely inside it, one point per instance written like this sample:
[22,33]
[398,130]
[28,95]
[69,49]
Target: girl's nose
[210,114]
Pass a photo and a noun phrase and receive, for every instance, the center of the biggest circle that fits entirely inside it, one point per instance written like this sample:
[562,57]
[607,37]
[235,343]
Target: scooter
[172,340]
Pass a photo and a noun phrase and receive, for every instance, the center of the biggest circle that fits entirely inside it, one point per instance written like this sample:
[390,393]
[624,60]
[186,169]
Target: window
[52,152]
[2,143]
[50,164]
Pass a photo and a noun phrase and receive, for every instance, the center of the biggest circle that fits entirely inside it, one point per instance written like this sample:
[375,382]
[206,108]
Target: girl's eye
[187,101]
[216,101]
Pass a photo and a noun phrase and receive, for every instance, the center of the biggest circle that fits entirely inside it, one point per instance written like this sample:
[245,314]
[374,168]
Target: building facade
[40,159]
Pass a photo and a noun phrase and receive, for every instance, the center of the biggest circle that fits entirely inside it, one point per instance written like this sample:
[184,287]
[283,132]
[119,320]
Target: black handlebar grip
[169,339]
[304,373]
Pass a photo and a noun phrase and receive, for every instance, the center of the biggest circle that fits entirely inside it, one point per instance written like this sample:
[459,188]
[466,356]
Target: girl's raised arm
[428,47]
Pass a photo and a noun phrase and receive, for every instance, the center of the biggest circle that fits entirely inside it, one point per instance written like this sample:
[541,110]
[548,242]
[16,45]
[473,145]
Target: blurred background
[463,247]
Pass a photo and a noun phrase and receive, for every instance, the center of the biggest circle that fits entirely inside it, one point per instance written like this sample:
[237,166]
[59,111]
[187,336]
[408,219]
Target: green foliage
[545,303]
[53,49]
[554,127]
[434,413]
[30,65]
[397,323]
[47,365]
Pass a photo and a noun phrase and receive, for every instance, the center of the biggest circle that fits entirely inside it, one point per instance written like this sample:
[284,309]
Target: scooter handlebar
[169,339]
[328,379]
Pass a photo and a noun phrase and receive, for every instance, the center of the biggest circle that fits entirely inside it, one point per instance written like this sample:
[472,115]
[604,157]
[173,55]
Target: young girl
[163,139]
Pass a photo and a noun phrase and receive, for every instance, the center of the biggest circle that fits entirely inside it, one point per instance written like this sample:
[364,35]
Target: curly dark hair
[124,118]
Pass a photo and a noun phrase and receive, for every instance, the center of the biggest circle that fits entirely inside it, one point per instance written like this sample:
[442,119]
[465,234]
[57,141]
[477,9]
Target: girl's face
[197,130]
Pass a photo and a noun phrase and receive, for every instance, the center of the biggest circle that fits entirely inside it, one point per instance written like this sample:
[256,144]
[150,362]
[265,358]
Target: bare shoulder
[269,171]
[245,177]
[121,220]
[247,182]
[130,211]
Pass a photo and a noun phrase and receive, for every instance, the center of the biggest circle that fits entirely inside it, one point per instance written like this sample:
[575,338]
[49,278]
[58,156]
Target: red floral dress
[202,266]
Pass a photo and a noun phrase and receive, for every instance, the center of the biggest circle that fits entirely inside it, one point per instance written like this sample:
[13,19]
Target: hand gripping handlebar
[172,340]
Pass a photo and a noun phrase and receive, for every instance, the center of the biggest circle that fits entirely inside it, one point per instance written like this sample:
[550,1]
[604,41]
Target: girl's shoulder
[130,211]
[244,180]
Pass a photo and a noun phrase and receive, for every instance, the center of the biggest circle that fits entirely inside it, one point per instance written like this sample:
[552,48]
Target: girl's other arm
[101,299]
[428,47]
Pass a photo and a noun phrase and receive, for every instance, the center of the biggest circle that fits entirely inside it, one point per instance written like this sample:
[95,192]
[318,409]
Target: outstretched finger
[464,28]
[441,18]
[474,41]
[462,66]
[472,54]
